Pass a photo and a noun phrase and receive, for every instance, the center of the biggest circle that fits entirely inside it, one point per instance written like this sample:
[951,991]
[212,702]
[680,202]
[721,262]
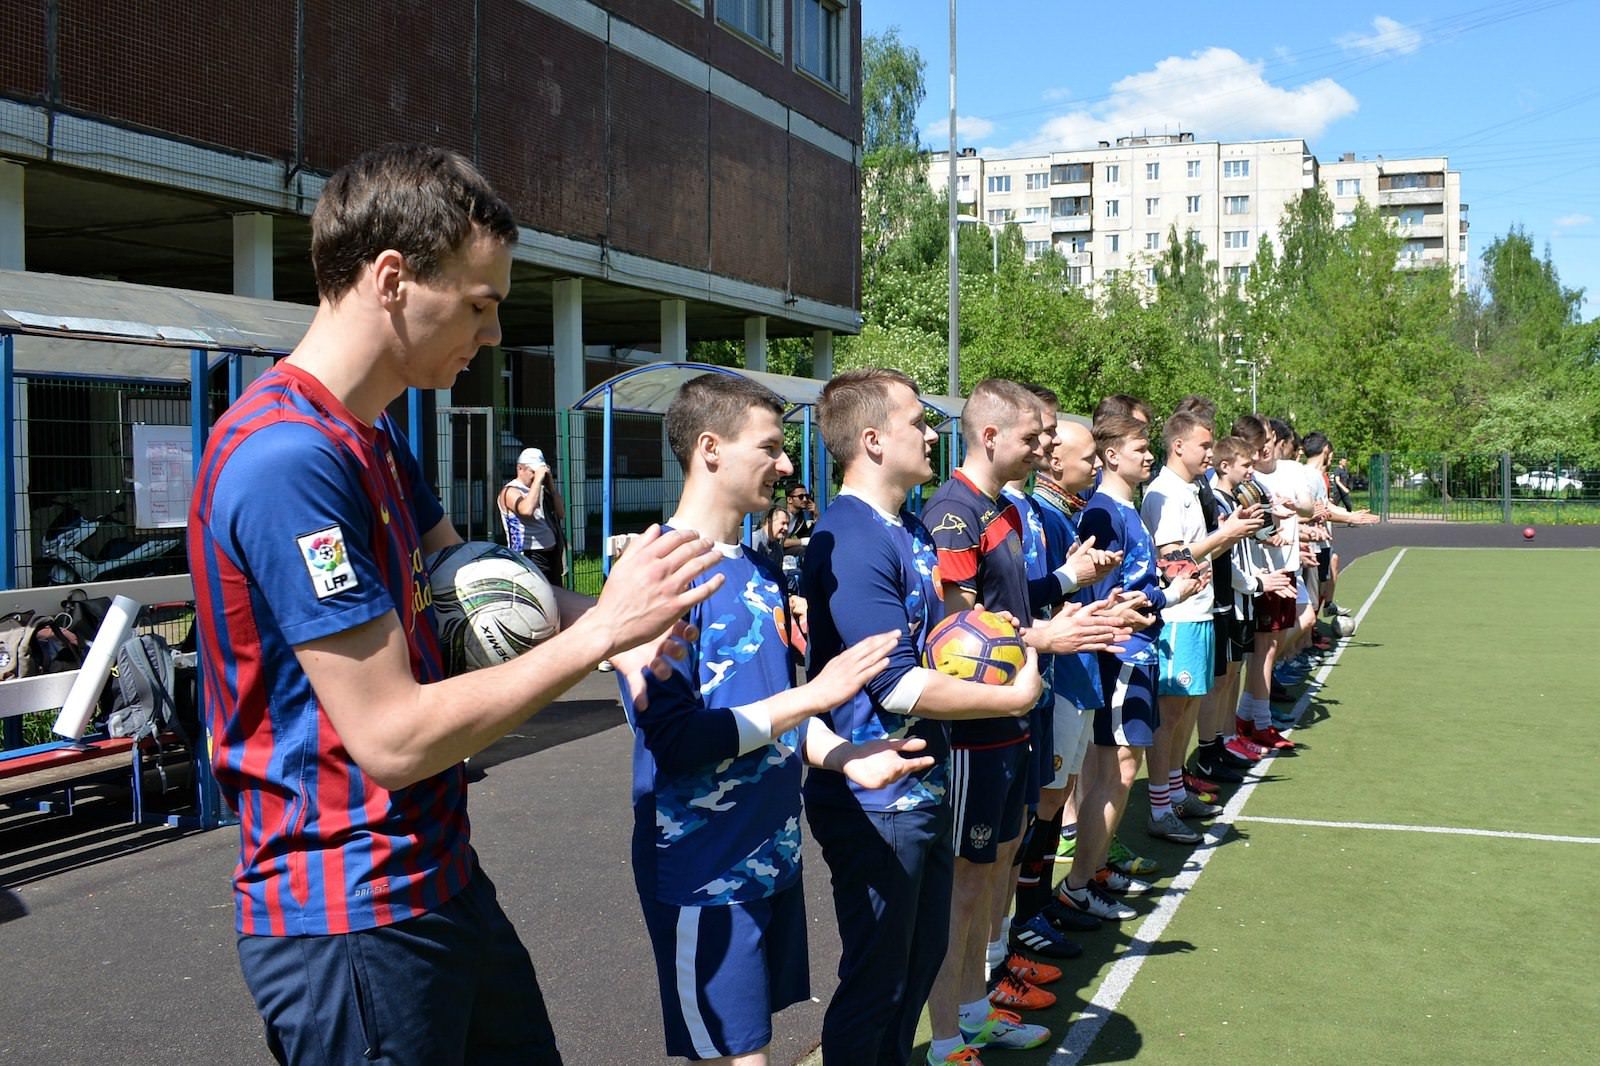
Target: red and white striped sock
[1160,800]
[1176,793]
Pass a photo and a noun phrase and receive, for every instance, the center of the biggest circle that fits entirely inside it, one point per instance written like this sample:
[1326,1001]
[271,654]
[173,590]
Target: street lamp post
[955,295]
[994,238]
[1251,363]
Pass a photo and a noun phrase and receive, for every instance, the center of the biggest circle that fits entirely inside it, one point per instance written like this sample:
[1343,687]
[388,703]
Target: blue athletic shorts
[1132,714]
[725,970]
[988,792]
[452,985]
[1186,651]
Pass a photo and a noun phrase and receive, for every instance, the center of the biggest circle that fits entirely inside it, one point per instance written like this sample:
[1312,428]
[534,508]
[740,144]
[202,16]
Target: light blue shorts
[1186,651]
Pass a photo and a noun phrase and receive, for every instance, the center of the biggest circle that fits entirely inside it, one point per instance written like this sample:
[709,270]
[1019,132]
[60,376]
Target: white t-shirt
[1287,482]
[1171,512]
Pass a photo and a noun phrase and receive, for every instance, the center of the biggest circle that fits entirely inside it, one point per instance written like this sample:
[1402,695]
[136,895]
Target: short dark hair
[1315,443]
[1181,424]
[1202,407]
[1116,428]
[1283,431]
[852,402]
[992,399]
[714,403]
[1253,429]
[772,512]
[1120,403]
[1045,395]
[422,202]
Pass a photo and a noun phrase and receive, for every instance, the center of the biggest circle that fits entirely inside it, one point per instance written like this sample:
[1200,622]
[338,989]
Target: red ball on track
[1527,533]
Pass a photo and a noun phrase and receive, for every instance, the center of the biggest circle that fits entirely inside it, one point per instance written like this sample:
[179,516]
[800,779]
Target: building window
[1193,168]
[1409,216]
[1078,244]
[1036,214]
[1113,208]
[1342,219]
[1152,275]
[1113,173]
[1236,168]
[1070,206]
[1035,182]
[1236,238]
[1347,187]
[1152,205]
[1062,173]
[1411,251]
[1109,275]
[963,181]
[1237,275]
[1075,276]
[753,18]
[818,40]
[1152,172]
[1236,205]
[1192,204]
[1000,215]
[1034,249]
[1000,183]
[1114,243]
[1463,245]
[1152,242]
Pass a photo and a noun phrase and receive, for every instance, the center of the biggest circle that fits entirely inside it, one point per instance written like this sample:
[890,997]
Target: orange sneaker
[1035,973]
[1013,993]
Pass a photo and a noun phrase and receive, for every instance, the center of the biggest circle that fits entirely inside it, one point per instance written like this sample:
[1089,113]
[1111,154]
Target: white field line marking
[1080,1035]
[1448,830]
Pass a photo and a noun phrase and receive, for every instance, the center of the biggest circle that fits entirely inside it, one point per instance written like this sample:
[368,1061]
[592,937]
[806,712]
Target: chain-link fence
[1482,487]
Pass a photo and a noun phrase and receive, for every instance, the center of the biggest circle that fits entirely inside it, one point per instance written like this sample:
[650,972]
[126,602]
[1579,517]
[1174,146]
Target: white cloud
[972,128]
[1215,94]
[1388,37]
[1054,95]
[1573,221]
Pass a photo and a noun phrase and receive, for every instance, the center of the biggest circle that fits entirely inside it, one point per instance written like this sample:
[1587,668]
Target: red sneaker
[1244,748]
[1271,739]
[1199,786]
[1013,993]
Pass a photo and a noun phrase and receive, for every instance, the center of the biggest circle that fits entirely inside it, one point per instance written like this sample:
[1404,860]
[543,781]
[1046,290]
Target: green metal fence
[1483,487]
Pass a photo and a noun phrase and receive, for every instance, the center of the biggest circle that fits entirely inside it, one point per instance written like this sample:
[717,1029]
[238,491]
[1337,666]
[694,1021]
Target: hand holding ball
[976,646]
[490,605]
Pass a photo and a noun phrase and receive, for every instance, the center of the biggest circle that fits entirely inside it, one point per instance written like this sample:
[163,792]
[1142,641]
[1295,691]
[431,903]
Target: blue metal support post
[10,728]
[605,489]
[213,812]
[414,422]
[805,449]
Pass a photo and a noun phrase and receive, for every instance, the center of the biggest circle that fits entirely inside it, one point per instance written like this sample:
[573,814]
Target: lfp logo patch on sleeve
[326,561]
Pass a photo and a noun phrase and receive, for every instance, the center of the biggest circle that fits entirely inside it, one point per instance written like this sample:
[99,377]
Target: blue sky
[1509,90]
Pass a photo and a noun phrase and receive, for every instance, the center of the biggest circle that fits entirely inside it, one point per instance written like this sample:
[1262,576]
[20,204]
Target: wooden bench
[44,775]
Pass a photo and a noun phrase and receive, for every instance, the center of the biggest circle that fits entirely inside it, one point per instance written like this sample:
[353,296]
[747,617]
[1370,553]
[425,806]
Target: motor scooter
[80,550]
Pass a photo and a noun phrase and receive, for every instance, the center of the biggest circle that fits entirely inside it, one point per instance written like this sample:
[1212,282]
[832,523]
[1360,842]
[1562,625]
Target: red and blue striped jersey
[307,522]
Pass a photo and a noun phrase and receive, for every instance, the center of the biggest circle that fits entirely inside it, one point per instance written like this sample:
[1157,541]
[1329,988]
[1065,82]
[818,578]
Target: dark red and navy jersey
[979,540]
[307,522]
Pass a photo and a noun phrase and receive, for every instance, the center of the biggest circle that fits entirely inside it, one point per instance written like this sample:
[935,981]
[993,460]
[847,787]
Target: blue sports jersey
[307,522]
[711,825]
[1115,526]
[866,573]
[1076,678]
[980,549]
[1035,558]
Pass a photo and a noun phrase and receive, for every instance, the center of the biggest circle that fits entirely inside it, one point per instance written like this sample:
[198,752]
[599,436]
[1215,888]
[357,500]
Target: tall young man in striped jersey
[334,733]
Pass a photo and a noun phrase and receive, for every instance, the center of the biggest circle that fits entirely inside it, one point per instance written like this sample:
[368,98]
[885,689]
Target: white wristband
[755,727]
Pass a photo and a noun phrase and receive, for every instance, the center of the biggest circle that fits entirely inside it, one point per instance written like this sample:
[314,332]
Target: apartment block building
[1422,197]
[1115,207]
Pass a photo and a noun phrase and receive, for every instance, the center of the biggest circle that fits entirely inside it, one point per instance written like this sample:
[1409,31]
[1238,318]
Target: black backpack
[33,644]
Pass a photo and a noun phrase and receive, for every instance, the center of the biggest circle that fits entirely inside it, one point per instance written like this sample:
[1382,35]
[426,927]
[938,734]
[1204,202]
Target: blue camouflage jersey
[868,573]
[1076,678]
[711,825]
[1116,526]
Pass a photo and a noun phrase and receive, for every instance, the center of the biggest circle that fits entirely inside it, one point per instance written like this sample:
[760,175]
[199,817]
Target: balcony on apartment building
[1071,214]
[1432,226]
[1399,190]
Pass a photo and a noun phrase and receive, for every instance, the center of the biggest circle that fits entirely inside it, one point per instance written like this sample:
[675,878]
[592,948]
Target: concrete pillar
[674,330]
[252,255]
[822,354]
[755,342]
[567,308]
[11,217]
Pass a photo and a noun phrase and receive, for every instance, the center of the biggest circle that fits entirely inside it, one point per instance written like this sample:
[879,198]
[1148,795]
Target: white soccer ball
[490,605]
[1344,626]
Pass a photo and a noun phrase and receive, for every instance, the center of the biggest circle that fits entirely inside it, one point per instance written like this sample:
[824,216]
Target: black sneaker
[1067,919]
[1209,766]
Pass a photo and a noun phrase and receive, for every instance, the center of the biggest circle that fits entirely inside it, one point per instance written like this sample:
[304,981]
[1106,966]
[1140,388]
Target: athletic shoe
[1004,1029]
[1196,785]
[1340,611]
[1121,884]
[1289,676]
[1094,901]
[1192,806]
[1242,747]
[1124,861]
[1279,694]
[1067,920]
[1031,970]
[1013,993]
[1272,740]
[1170,827]
[1040,937]
[1209,764]
[961,1056]
[1284,716]
[1233,760]
[1321,642]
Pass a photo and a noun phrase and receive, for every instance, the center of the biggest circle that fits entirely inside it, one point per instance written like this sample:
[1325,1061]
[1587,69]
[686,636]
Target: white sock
[973,1014]
[942,1049]
[996,953]
[1005,929]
